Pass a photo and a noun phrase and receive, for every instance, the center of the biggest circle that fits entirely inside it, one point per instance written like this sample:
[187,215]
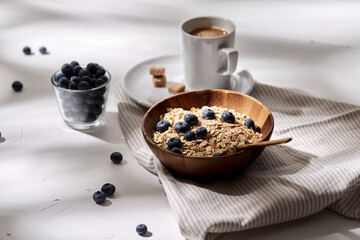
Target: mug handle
[231,59]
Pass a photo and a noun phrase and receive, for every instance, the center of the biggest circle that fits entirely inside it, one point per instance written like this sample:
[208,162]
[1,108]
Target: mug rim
[214,17]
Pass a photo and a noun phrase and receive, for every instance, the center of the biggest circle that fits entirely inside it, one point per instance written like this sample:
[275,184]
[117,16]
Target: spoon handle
[265,143]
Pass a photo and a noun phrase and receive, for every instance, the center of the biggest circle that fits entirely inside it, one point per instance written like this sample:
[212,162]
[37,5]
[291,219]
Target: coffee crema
[209,32]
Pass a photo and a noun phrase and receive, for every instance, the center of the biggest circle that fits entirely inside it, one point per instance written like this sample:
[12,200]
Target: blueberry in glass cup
[82,93]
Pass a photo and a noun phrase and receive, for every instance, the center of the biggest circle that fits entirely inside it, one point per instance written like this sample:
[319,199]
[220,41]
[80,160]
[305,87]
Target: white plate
[137,82]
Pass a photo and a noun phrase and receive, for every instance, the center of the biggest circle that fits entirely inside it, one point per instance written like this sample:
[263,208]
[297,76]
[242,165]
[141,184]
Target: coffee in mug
[209,32]
[208,53]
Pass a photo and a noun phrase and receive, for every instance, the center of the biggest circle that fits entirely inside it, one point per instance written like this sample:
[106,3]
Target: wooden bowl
[208,166]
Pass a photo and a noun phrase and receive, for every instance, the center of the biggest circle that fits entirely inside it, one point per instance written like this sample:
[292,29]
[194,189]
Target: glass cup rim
[71,90]
[204,17]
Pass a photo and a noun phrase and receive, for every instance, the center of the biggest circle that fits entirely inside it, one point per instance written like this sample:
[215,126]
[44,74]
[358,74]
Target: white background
[48,171]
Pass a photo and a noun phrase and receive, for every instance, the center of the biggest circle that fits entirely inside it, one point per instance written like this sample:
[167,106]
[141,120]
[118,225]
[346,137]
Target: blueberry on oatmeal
[191,119]
[162,125]
[181,127]
[190,135]
[218,154]
[174,142]
[208,114]
[176,150]
[249,123]
[228,117]
[201,132]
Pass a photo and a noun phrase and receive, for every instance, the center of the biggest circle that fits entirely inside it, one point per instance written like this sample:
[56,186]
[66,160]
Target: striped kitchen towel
[319,169]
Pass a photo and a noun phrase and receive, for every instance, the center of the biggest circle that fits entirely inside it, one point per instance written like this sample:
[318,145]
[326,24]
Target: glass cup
[82,109]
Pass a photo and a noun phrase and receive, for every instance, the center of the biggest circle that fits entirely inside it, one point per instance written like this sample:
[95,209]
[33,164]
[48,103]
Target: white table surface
[48,171]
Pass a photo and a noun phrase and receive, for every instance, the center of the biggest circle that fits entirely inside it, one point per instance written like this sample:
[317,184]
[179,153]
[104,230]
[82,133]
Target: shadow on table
[111,131]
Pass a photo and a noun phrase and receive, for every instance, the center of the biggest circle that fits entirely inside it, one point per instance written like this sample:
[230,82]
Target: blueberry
[99,197]
[191,119]
[176,150]
[66,105]
[116,157]
[17,86]
[201,132]
[83,85]
[208,114]
[92,68]
[95,109]
[228,117]
[77,99]
[249,123]
[105,78]
[90,117]
[101,91]
[57,76]
[217,154]
[76,70]
[43,50]
[68,114]
[27,50]
[93,82]
[85,79]
[72,86]
[63,82]
[100,100]
[99,82]
[74,63]
[100,72]
[181,127]
[67,69]
[162,125]
[76,108]
[141,229]
[190,135]
[83,72]
[75,79]
[108,189]
[174,142]
[90,100]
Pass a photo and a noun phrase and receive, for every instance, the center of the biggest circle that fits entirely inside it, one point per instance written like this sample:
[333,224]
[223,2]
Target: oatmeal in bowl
[205,132]
[197,133]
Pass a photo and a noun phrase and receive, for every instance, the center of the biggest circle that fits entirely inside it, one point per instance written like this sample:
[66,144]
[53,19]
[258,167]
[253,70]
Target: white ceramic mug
[208,61]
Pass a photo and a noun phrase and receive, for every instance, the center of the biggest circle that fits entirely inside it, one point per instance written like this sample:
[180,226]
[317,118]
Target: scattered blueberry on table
[43,50]
[17,86]
[141,229]
[108,189]
[27,50]
[201,132]
[116,157]
[249,123]
[208,114]
[191,119]
[162,125]
[228,117]
[190,135]
[99,197]
[174,142]
[181,127]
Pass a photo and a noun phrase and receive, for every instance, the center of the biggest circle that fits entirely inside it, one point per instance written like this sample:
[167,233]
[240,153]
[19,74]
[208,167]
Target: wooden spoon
[265,143]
